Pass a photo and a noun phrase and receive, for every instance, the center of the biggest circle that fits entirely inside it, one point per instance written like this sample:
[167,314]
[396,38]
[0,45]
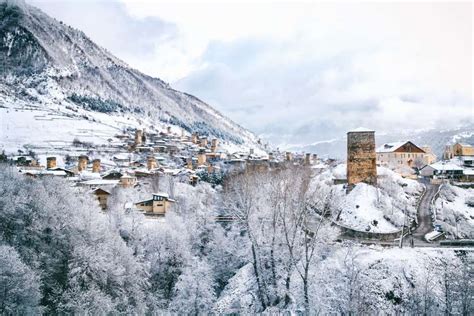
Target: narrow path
[425,222]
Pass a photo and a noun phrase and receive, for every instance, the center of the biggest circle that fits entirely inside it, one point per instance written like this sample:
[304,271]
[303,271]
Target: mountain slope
[48,64]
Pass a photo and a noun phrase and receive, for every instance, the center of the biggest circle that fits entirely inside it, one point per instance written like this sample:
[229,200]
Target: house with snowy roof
[158,205]
[102,196]
[460,149]
[403,156]
[442,170]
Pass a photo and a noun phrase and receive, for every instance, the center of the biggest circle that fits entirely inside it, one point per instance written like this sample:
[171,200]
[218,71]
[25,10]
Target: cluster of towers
[82,163]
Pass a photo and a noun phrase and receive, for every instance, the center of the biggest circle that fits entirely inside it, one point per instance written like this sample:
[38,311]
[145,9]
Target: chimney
[270,156]
[168,130]
[82,163]
[96,165]
[138,137]
[51,162]
[307,159]
[204,142]
[315,157]
[288,156]
[214,145]
[151,163]
[252,151]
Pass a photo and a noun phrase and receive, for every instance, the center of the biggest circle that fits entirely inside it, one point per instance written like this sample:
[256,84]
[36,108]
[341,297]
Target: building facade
[159,204]
[402,157]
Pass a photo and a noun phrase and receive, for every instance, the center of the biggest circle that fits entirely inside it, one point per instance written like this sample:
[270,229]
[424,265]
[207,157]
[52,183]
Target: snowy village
[120,194]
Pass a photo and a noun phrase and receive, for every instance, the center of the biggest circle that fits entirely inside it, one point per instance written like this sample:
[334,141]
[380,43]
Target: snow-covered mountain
[56,70]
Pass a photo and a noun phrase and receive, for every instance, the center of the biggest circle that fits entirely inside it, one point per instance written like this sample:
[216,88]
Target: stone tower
[82,163]
[138,137]
[51,162]
[151,163]
[214,145]
[96,165]
[361,158]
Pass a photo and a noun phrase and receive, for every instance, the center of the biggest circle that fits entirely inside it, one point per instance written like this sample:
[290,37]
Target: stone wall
[361,158]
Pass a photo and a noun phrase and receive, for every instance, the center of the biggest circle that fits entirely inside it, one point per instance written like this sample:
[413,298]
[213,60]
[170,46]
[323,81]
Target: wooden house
[158,205]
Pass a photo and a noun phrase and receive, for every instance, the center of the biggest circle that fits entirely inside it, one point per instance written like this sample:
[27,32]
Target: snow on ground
[239,295]
[454,211]
[365,208]
[386,279]
[378,208]
[56,125]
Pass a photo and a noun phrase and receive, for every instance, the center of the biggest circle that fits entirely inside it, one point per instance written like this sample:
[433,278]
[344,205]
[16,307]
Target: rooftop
[390,147]
[445,166]
[163,194]
[361,130]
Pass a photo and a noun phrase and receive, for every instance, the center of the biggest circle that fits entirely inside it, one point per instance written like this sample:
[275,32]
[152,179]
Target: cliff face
[40,55]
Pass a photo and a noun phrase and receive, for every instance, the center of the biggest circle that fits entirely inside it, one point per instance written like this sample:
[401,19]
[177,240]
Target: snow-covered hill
[53,68]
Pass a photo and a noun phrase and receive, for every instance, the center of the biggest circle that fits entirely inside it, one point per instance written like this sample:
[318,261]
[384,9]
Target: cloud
[298,72]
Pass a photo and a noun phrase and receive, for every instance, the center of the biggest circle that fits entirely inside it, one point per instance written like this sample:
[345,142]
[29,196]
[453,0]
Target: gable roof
[100,190]
[392,147]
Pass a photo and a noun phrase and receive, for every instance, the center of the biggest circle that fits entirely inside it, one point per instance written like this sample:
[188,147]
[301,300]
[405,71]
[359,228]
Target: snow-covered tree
[19,285]
[194,291]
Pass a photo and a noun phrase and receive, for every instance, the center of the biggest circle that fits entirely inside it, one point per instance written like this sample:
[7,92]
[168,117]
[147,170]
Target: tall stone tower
[82,163]
[96,165]
[138,137]
[151,163]
[361,158]
[51,162]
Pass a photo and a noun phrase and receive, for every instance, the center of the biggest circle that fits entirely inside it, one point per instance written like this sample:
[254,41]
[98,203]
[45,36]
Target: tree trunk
[257,277]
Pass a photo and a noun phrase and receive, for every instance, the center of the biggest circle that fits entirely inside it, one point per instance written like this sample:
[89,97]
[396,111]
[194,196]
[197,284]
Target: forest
[60,254]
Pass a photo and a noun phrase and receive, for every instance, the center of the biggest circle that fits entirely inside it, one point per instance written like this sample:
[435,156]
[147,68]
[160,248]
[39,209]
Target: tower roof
[361,130]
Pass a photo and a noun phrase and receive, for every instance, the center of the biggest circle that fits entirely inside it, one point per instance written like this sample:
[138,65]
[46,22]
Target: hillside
[56,72]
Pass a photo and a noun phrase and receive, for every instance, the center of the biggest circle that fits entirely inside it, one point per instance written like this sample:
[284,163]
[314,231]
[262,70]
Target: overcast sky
[297,72]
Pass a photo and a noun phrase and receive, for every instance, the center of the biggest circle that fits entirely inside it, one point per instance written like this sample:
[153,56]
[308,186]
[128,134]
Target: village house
[127,181]
[158,205]
[463,150]
[445,170]
[403,156]
[102,196]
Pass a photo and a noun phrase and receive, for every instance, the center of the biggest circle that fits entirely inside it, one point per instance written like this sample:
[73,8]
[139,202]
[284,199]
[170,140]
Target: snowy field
[55,126]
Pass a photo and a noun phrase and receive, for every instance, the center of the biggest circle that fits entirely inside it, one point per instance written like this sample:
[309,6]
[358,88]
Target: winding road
[425,222]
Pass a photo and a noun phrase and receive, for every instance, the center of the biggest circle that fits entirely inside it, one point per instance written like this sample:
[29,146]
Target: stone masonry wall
[361,158]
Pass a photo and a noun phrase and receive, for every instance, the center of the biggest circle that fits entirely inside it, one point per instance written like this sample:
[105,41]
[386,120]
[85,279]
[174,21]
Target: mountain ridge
[46,61]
